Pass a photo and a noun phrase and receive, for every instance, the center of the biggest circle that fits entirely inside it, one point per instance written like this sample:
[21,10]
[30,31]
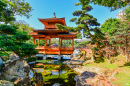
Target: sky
[62,8]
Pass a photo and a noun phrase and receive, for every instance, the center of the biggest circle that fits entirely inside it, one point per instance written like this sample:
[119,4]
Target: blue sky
[62,8]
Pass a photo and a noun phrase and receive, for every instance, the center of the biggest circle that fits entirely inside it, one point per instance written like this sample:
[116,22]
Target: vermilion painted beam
[73,43]
[49,42]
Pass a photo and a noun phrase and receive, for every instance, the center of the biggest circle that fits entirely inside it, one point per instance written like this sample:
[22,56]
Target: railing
[53,26]
[53,47]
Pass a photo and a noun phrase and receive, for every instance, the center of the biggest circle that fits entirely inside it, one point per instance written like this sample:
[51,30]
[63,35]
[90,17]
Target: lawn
[123,75]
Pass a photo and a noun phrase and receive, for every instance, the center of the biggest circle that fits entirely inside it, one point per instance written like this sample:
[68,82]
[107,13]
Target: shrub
[31,59]
[98,60]
[127,64]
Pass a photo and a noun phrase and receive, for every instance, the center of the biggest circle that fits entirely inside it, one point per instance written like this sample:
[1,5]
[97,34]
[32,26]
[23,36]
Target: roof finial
[54,15]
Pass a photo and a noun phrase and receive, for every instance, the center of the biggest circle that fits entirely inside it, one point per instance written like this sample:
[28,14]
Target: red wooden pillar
[73,43]
[45,45]
[45,42]
[49,42]
[34,41]
[61,43]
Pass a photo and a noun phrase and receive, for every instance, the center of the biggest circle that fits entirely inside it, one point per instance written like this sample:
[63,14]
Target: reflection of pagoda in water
[50,31]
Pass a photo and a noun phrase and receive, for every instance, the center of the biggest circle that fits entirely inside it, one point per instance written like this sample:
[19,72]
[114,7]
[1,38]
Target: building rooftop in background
[82,40]
[120,14]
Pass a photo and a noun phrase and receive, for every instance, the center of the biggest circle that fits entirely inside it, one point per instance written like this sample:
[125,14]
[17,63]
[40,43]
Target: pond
[55,71]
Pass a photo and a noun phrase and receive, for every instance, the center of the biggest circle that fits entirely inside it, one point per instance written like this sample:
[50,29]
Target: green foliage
[23,26]
[127,64]
[5,14]
[98,60]
[19,7]
[122,36]
[21,36]
[31,59]
[86,22]
[24,49]
[77,13]
[6,29]
[73,19]
[79,35]
[112,4]
[110,26]
[127,12]
[11,39]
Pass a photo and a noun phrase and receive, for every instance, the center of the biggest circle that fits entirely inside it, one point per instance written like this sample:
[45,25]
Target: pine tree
[122,36]
[89,24]
[112,4]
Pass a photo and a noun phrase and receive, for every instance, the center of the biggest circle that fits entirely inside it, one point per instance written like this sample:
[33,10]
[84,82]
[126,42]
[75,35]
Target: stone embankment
[92,76]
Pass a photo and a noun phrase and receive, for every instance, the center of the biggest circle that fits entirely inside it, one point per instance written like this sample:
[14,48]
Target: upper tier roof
[53,20]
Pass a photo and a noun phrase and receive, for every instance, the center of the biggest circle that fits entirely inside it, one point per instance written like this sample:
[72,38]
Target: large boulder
[92,79]
[1,64]
[6,83]
[77,54]
[17,72]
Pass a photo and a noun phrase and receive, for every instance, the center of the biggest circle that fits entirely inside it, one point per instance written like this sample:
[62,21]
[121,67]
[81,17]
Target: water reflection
[54,71]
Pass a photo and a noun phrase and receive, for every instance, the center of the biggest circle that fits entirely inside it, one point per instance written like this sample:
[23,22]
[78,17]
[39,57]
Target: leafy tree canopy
[19,7]
[112,4]
[10,38]
[22,26]
[110,26]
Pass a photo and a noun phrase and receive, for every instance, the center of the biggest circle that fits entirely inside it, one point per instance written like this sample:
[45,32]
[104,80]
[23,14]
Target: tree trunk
[126,50]
[93,56]
[98,46]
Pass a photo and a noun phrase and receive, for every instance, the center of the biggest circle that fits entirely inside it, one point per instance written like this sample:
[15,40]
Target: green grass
[104,64]
[123,76]
[123,79]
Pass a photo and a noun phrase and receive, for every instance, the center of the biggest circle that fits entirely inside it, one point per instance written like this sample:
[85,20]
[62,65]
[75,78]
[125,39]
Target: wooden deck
[54,50]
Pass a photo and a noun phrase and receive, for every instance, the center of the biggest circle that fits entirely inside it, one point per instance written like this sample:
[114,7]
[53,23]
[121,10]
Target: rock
[73,62]
[1,64]
[38,79]
[92,79]
[56,84]
[6,83]
[13,57]
[18,72]
[77,54]
[103,71]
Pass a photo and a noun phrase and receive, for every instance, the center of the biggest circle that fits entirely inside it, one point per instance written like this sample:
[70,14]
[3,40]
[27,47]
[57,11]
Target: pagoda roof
[50,30]
[60,33]
[54,19]
[70,33]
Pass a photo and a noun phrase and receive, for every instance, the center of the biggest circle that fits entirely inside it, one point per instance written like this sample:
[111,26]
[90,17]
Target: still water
[55,71]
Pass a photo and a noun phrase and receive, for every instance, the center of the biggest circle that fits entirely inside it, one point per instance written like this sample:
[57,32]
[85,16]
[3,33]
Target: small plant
[112,60]
[127,64]
[98,60]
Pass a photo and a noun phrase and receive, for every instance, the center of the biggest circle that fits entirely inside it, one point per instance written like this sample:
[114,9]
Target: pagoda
[50,31]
